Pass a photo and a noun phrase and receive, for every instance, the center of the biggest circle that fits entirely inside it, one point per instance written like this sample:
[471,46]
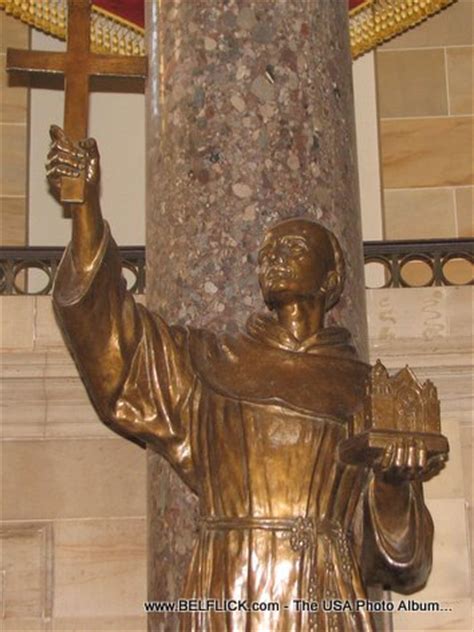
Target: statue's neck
[302,318]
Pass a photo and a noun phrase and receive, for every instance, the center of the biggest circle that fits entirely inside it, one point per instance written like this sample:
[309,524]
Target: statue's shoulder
[154,325]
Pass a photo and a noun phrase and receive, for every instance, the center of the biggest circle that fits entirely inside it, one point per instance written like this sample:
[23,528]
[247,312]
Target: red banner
[129,10]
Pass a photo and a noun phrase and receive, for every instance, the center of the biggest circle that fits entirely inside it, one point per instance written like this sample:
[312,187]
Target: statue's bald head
[301,256]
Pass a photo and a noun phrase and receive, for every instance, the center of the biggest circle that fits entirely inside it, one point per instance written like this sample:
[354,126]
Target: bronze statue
[252,424]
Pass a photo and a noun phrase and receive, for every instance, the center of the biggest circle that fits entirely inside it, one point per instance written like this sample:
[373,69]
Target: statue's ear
[332,288]
[332,281]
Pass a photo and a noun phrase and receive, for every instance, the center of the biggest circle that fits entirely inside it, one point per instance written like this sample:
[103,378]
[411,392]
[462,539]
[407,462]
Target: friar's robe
[251,423]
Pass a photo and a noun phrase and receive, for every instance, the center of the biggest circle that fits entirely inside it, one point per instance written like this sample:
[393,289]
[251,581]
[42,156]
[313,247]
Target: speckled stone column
[250,120]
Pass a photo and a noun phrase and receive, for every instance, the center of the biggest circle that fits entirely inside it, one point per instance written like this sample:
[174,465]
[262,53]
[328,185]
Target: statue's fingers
[56,133]
[51,160]
[90,145]
[422,457]
[400,457]
[388,456]
[54,180]
[66,158]
[57,147]
[412,455]
[436,463]
[411,470]
[68,148]
[59,138]
[59,171]
[382,461]
[60,141]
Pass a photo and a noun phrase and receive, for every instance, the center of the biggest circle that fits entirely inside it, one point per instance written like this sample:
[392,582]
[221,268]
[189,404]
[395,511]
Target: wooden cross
[77,65]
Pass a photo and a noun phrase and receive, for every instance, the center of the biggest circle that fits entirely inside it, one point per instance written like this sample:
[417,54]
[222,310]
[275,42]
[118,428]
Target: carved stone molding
[27,568]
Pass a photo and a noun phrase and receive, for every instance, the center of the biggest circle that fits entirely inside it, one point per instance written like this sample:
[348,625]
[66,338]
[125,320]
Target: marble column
[250,120]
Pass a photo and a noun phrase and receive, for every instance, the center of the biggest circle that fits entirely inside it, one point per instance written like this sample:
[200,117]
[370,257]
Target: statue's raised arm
[115,342]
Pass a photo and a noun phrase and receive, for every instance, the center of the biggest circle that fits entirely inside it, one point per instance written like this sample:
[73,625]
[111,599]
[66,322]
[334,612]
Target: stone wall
[74,494]
[425,94]
[431,330]
[73,503]
[14,139]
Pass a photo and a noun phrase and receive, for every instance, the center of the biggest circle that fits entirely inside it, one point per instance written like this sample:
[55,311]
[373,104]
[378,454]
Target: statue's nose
[276,256]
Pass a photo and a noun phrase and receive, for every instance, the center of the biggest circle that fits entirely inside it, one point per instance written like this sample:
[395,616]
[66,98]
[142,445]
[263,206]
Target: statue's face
[293,261]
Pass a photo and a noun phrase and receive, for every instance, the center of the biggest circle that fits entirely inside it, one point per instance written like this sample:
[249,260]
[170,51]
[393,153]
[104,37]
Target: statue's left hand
[406,460]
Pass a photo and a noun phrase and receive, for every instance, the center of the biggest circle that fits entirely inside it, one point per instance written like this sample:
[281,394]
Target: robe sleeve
[136,369]
[397,553]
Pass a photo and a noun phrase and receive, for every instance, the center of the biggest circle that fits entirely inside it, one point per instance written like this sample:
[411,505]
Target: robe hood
[265,364]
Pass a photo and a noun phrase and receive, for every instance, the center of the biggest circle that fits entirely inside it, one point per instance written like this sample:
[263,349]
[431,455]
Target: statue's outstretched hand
[78,160]
[406,460]
[66,158]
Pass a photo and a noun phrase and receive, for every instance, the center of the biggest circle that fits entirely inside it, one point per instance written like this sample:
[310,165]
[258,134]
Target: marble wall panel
[454,384]
[69,412]
[427,152]
[58,363]
[450,27]
[465,211]
[73,478]
[26,624]
[21,364]
[47,332]
[459,312]
[17,320]
[411,83]
[466,435]
[14,33]
[100,568]
[443,313]
[22,407]
[27,571]
[450,482]
[13,134]
[419,213]
[460,62]
[426,74]
[13,98]
[13,154]
[13,221]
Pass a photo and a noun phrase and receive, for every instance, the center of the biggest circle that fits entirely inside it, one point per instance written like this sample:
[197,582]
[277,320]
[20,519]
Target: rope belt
[303,531]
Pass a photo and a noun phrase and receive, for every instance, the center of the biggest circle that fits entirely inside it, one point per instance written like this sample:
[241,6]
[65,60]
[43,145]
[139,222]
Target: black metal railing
[423,263]
[31,270]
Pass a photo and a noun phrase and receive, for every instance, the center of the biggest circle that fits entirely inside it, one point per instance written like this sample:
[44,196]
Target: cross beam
[77,65]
